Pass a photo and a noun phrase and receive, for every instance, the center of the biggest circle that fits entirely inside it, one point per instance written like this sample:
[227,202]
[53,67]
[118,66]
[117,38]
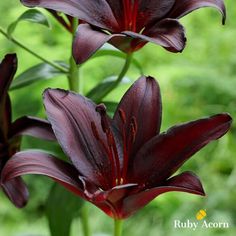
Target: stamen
[125,9]
[95,131]
[112,150]
[130,8]
[128,143]
[132,133]
[101,109]
[134,123]
[122,116]
[115,154]
[134,15]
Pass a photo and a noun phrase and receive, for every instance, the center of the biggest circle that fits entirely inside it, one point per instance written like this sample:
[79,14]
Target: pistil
[128,140]
[111,145]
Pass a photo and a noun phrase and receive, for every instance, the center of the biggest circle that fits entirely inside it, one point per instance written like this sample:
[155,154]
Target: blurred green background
[199,82]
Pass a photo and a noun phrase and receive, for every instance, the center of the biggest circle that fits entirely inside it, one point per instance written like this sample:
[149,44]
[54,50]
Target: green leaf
[111,107]
[61,208]
[31,15]
[115,53]
[42,71]
[100,91]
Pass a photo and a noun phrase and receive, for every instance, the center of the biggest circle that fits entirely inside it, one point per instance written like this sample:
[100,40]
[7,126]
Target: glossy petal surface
[185,182]
[76,134]
[97,12]
[8,68]
[143,97]
[35,162]
[32,126]
[184,7]
[168,151]
[16,191]
[88,40]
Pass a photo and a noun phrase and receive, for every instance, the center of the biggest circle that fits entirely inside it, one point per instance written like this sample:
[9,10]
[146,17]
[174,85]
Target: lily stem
[119,78]
[74,82]
[84,220]
[19,44]
[118,226]
[73,77]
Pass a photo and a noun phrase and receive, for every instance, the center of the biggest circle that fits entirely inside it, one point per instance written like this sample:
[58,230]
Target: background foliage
[199,82]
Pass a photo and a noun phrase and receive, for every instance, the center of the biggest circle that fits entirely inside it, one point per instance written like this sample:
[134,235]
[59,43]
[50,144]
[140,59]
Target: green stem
[15,41]
[73,77]
[118,225]
[74,82]
[84,220]
[119,78]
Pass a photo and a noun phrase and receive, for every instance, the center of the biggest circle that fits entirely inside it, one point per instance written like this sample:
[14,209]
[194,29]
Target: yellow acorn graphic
[201,214]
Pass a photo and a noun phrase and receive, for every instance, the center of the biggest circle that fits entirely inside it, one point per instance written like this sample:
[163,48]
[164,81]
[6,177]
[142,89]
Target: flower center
[128,133]
[130,8]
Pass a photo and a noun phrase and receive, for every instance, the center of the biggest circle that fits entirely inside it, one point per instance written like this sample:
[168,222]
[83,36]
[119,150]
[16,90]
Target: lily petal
[168,33]
[168,151]
[16,191]
[109,200]
[8,68]
[32,126]
[77,134]
[5,118]
[97,195]
[185,182]
[142,98]
[184,7]
[36,162]
[97,12]
[88,40]
[152,11]
[117,9]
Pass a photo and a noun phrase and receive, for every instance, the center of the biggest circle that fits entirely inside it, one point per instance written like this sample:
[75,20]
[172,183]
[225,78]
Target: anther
[110,140]
[134,123]
[101,109]
[122,116]
[95,131]
[132,132]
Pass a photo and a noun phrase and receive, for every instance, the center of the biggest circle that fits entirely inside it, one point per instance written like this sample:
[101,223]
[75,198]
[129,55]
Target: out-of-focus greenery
[199,82]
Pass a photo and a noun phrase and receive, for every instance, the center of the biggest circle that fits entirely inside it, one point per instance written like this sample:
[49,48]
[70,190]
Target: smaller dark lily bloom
[11,132]
[127,24]
[119,164]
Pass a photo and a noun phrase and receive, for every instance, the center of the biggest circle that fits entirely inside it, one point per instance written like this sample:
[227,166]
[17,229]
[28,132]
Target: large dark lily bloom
[11,132]
[119,164]
[127,24]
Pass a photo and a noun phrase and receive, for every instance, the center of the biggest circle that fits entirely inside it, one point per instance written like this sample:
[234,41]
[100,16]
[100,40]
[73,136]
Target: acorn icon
[201,214]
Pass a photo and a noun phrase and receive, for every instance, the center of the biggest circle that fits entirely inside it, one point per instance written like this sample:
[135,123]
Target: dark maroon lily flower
[119,164]
[127,24]
[10,133]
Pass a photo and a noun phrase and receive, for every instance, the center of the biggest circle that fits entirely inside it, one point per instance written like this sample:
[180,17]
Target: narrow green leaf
[111,107]
[100,91]
[115,53]
[61,208]
[31,15]
[42,71]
